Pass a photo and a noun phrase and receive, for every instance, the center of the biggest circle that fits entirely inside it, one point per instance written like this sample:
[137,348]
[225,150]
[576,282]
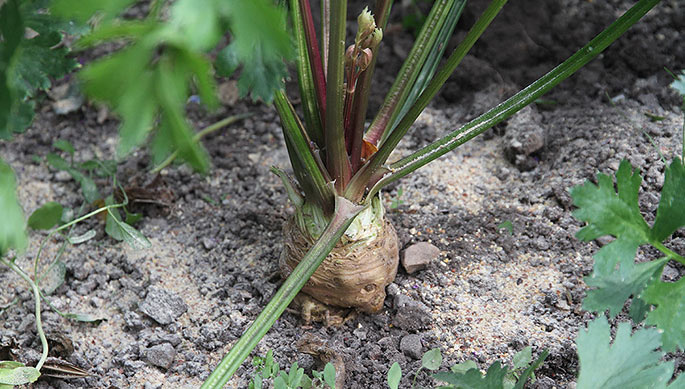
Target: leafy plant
[266,368]
[632,361]
[616,277]
[32,52]
[165,57]
[340,166]
[467,374]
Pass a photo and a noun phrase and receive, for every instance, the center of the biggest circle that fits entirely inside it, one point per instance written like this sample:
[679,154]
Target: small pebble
[411,346]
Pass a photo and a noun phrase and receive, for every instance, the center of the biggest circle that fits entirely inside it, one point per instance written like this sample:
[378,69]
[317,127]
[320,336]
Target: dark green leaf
[638,310]
[630,362]
[57,162]
[197,21]
[13,227]
[12,32]
[431,359]
[262,47]
[611,291]
[19,375]
[669,314]
[65,146]
[84,10]
[671,212]
[609,213]
[529,371]
[46,217]
[522,358]
[227,61]
[473,379]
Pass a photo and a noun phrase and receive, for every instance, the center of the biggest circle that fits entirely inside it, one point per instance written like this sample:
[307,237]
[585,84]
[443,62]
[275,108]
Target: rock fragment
[411,346]
[162,305]
[410,315]
[161,355]
[418,255]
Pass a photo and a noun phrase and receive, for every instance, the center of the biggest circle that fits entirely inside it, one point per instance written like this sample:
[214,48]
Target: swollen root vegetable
[356,272]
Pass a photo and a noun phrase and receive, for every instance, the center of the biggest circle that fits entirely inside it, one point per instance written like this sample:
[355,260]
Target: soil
[172,311]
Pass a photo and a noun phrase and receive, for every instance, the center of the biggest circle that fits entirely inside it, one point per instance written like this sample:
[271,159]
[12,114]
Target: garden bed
[172,311]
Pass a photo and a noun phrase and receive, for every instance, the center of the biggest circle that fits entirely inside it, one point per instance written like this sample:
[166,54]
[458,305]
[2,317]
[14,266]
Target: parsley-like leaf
[669,314]
[630,362]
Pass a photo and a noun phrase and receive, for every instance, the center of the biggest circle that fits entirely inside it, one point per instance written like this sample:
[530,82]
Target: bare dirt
[174,310]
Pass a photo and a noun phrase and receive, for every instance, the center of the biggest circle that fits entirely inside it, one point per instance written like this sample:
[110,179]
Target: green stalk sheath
[515,103]
[338,163]
[361,102]
[363,178]
[344,215]
[429,68]
[36,295]
[305,75]
[312,177]
[410,70]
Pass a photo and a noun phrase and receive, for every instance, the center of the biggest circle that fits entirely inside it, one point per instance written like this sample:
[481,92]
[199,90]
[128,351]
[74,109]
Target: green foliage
[394,376]
[669,314]
[467,375]
[13,226]
[31,54]
[15,373]
[165,59]
[266,369]
[608,212]
[632,361]
[46,217]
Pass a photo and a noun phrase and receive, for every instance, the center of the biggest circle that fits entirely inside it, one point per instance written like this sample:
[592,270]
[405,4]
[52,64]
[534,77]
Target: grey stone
[410,315]
[411,346]
[418,255]
[161,355]
[162,305]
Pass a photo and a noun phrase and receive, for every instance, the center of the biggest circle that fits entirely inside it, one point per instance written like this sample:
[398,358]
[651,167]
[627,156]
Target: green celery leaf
[678,383]
[19,375]
[611,291]
[522,358]
[669,314]
[171,92]
[473,379]
[37,61]
[13,226]
[46,217]
[12,32]
[227,61]
[84,10]
[262,47]
[630,362]
[523,378]
[671,212]
[196,20]
[608,213]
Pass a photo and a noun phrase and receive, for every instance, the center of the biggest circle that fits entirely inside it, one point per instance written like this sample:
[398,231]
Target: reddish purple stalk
[315,59]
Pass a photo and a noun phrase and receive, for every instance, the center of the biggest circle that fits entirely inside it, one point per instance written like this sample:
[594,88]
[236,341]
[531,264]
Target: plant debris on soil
[172,311]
